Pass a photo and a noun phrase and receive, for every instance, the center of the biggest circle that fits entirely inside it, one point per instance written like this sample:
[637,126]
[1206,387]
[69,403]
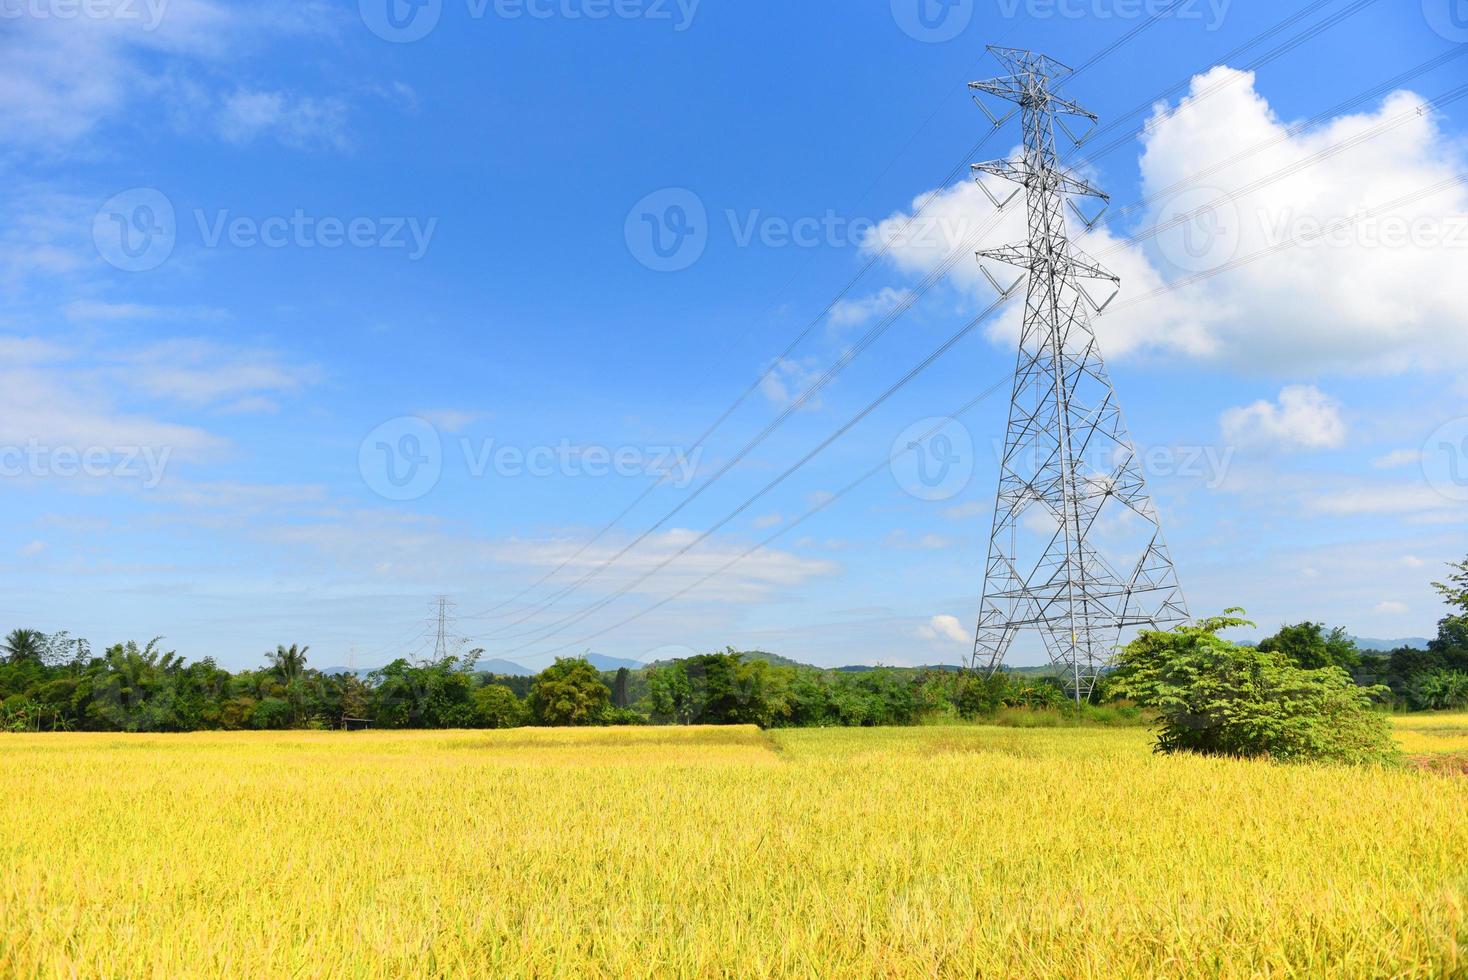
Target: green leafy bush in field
[569,692]
[495,706]
[1441,690]
[1217,698]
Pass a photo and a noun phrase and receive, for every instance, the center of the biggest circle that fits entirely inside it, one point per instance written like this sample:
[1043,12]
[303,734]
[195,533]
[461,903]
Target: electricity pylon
[1070,482]
[441,640]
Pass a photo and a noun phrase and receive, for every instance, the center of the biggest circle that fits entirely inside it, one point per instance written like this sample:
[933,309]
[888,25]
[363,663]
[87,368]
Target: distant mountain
[771,658]
[601,662]
[1383,646]
[505,668]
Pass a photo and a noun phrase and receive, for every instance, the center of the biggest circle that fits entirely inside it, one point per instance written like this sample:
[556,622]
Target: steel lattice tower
[1072,508]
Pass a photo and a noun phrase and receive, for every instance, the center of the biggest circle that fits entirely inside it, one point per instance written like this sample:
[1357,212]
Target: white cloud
[32,549]
[902,541]
[53,396]
[452,419]
[1362,303]
[1303,418]
[421,551]
[944,629]
[136,53]
[1398,458]
[203,373]
[88,310]
[787,380]
[854,312]
[768,521]
[296,121]
[968,511]
[1399,499]
[1391,608]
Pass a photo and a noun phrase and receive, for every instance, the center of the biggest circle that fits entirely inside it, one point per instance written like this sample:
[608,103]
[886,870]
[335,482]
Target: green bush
[569,692]
[1441,690]
[495,706]
[1216,698]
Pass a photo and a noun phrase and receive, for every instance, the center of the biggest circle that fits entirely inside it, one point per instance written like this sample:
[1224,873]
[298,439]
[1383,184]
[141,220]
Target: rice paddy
[952,851]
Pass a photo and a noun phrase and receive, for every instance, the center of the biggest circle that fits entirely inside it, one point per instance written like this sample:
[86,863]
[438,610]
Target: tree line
[54,682]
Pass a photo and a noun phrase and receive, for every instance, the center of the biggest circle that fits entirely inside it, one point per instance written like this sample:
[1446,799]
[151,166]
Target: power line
[871,262]
[876,331]
[989,391]
[555,597]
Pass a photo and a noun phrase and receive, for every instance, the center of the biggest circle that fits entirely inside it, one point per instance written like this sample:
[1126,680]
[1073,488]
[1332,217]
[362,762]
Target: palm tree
[289,664]
[23,645]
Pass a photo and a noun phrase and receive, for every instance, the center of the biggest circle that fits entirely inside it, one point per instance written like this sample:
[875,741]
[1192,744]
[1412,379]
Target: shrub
[1216,698]
[1441,690]
[569,692]
[495,706]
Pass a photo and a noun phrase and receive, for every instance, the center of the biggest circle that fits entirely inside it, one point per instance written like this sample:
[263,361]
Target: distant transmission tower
[1076,552]
[441,643]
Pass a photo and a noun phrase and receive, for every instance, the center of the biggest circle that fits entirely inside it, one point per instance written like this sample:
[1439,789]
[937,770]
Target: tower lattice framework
[1076,551]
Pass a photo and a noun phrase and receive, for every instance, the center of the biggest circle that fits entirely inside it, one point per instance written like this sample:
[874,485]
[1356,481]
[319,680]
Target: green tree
[496,706]
[289,665]
[24,646]
[1451,644]
[569,692]
[619,688]
[133,689]
[1311,647]
[436,694]
[1216,698]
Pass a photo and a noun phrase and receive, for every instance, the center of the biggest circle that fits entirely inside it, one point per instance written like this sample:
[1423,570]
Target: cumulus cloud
[946,630]
[1376,295]
[1304,417]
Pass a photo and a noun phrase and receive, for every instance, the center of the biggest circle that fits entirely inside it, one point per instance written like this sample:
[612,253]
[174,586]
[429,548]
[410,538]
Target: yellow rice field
[722,852]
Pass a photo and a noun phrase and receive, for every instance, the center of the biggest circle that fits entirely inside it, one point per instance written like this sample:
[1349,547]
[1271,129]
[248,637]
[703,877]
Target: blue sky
[248,246]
